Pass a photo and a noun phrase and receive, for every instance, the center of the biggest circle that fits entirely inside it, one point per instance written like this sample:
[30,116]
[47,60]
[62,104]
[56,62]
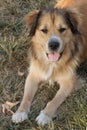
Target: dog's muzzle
[54,47]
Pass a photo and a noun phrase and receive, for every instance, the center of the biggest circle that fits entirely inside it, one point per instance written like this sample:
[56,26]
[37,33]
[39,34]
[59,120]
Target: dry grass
[14,44]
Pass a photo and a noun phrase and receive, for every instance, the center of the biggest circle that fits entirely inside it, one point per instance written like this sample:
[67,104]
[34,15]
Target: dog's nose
[53,44]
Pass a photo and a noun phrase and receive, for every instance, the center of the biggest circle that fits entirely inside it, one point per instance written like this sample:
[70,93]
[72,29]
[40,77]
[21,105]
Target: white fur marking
[19,117]
[57,38]
[50,71]
[43,119]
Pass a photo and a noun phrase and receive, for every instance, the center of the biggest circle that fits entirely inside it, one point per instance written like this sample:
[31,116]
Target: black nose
[53,44]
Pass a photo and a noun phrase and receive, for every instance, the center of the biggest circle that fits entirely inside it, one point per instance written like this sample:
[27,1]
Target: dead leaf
[20,73]
[6,107]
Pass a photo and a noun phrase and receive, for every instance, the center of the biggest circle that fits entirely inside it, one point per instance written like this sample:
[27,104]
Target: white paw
[43,119]
[19,117]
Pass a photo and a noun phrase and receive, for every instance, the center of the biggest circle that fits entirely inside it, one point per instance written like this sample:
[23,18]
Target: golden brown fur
[65,27]
[81,5]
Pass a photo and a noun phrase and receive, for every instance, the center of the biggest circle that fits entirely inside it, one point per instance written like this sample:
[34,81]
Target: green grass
[14,44]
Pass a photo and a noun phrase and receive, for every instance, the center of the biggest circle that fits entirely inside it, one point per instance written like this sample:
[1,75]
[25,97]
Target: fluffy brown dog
[58,45]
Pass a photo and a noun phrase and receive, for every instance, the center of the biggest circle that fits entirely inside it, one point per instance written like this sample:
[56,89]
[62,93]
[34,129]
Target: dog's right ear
[73,19]
[32,21]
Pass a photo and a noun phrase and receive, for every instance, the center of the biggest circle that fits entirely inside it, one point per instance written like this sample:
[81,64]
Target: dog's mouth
[54,56]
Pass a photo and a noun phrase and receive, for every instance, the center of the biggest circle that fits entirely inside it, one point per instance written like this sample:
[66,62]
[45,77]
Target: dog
[58,46]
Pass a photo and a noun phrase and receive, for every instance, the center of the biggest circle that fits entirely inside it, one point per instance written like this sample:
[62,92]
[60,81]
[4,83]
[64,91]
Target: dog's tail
[69,3]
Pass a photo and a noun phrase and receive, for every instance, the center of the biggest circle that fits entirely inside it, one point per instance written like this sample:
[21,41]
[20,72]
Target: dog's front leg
[66,87]
[31,86]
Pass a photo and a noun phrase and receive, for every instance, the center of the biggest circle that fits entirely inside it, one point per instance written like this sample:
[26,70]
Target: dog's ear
[73,19]
[32,21]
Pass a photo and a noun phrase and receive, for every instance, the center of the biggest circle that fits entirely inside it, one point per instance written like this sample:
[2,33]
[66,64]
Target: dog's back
[70,3]
[81,5]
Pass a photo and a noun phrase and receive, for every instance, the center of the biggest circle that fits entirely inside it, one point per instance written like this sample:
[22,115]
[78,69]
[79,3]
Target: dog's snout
[54,44]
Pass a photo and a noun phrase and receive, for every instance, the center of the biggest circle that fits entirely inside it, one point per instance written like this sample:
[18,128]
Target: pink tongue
[53,56]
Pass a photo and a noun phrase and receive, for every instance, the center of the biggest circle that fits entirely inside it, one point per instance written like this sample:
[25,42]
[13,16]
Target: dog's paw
[43,119]
[18,117]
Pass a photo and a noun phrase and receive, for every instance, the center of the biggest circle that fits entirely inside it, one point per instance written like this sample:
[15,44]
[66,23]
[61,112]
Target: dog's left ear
[32,21]
[73,19]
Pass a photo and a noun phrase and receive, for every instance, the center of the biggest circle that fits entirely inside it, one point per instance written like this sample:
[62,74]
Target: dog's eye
[44,30]
[61,30]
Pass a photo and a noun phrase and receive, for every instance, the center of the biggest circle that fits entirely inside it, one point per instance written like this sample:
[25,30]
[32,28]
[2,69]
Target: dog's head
[53,30]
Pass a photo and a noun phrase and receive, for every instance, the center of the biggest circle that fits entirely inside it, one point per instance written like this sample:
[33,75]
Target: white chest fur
[49,71]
